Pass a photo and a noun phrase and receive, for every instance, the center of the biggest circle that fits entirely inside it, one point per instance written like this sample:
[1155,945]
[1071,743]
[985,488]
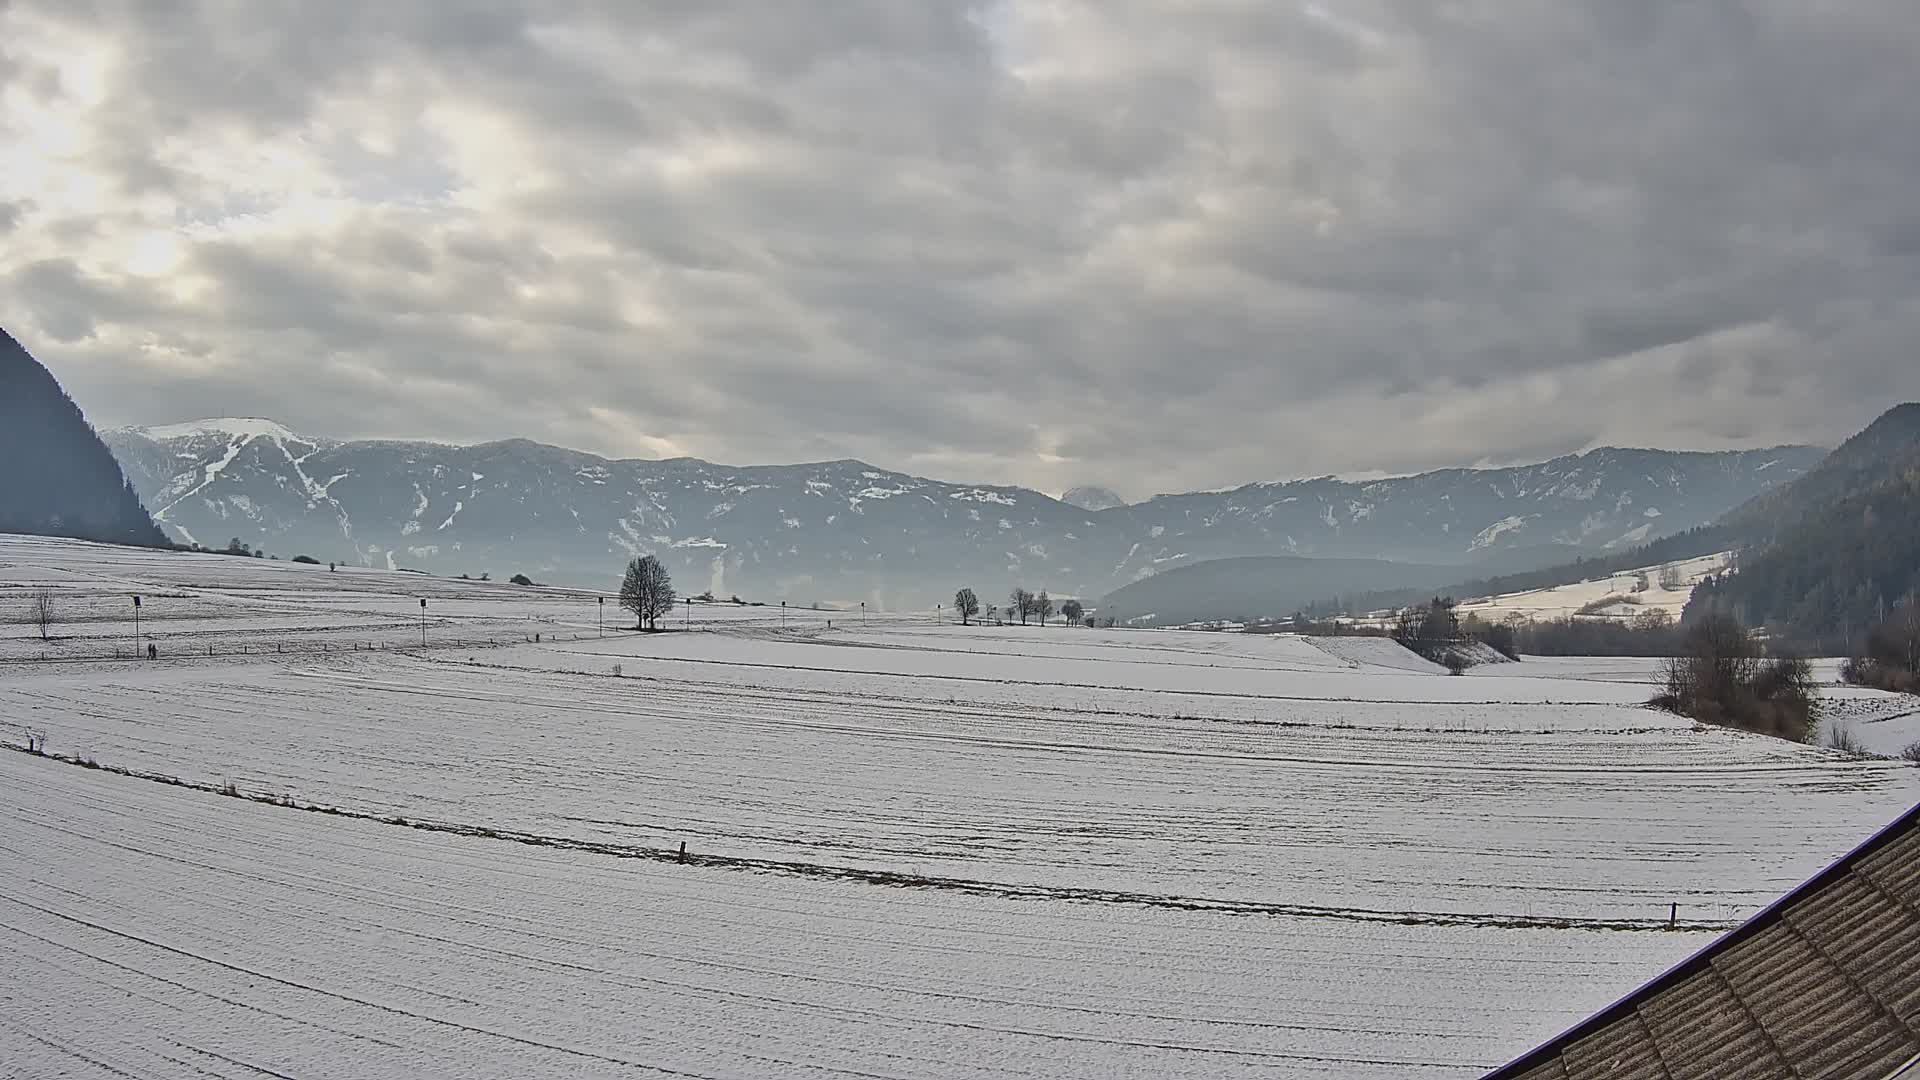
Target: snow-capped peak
[244,427]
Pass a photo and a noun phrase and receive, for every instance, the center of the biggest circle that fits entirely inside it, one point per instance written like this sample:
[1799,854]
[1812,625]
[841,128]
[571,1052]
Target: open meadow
[299,843]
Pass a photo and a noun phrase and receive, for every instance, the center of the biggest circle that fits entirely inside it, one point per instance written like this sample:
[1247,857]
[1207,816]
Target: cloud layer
[1153,246]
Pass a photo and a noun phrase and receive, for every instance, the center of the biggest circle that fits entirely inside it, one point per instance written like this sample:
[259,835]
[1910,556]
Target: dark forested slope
[56,477]
[1831,553]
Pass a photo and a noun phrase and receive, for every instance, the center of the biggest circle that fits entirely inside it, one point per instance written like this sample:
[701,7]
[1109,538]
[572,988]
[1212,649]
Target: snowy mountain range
[840,531]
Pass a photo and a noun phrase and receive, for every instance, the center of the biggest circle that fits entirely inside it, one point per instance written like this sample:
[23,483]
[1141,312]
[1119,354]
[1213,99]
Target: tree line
[1021,604]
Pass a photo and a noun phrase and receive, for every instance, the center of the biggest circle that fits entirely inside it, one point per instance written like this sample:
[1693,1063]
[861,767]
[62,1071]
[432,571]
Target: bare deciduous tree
[40,611]
[1072,611]
[1019,602]
[1043,606]
[647,591]
[967,604]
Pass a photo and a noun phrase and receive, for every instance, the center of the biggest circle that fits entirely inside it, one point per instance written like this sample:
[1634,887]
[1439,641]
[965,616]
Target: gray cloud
[1144,245]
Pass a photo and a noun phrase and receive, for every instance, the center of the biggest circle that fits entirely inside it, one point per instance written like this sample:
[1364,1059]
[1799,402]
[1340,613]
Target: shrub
[1720,678]
[1867,671]
[1595,607]
[1890,659]
[1840,737]
[1454,662]
[521,579]
[1912,753]
[307,560]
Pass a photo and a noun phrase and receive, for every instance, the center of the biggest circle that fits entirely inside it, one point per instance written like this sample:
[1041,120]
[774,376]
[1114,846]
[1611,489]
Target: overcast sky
[1155,246]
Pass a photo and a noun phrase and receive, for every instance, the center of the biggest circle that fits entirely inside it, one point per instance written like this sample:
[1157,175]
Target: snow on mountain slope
[1630,596]
[1092,498]
[242,427]
[845,531]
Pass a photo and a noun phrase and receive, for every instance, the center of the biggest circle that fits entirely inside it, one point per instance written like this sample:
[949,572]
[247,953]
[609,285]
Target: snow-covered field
[914,849]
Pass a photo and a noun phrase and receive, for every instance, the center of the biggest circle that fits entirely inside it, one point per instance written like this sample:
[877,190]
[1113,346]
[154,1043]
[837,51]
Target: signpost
[136,625]
[603,616]
[423,622]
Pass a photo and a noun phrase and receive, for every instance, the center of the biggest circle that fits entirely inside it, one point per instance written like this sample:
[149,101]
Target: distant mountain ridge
[56,477]
[845,530]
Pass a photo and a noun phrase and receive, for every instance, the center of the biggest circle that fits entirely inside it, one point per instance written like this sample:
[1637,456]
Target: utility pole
[423,622]
[603,616]
[689,612]
[136,625]
[783,614]
[863,614]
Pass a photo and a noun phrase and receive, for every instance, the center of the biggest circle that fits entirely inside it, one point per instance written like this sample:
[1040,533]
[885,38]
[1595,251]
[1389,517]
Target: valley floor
[914,849]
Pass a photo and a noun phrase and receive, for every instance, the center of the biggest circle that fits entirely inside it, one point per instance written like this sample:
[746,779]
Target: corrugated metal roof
[1823,983]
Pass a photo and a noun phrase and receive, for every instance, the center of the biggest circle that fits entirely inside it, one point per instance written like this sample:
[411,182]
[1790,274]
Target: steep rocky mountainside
[844,530]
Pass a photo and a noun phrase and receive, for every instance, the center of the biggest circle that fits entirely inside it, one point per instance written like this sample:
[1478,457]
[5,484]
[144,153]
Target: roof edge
[1767,916]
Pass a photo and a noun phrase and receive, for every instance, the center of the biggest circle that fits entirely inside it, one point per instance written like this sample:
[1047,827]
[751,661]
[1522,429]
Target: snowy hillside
[846,531]
[1663,587]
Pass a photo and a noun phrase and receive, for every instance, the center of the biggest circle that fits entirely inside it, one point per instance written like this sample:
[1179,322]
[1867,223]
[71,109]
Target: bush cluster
[1721,678]
[1890,657]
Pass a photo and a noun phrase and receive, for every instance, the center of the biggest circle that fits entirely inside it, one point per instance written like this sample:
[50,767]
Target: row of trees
[1650,633]
[1021,604]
